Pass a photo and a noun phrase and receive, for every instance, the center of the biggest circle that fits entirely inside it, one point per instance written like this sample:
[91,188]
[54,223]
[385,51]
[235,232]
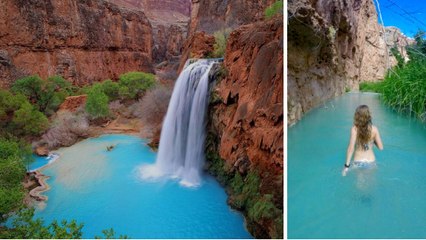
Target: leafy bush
[111,89]
[25,227]
[47,95]
[263,208]
[31,87]
[219,46]
[18,117]
[12,172]
[133,84]
[97,102]
[275,8]
[29,121]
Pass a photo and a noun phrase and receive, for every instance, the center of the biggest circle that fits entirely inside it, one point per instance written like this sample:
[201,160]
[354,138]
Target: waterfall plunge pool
[103,189]
[387,202]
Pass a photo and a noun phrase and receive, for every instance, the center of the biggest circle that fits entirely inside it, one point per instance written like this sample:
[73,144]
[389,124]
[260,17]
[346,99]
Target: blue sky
[407,15]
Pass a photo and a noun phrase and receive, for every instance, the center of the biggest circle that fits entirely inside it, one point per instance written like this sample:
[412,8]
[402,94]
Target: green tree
[111,89]
[31,87]
[24,227]
[47,95]
[12,172]
[133,84]
[97,103]
[29,121]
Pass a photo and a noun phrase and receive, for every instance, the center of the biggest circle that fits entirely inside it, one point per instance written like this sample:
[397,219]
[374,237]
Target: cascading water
[181,150]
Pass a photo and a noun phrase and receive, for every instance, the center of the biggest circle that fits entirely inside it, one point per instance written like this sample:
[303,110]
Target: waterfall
[181,150]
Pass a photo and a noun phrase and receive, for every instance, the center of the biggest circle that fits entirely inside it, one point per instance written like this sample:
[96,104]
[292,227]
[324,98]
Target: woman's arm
[378,140]
[350,150]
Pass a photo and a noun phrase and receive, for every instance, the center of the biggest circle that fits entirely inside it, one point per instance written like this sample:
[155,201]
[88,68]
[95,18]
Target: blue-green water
[41,161]
[102,189]
[386,202]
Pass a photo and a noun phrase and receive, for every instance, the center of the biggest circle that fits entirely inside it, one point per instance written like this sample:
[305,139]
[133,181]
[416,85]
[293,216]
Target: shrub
[31,87]
[134,84]
[111,89]
[29,121]
[12,172]
[97,102]
[263,208]
[46,95]
[66,130]
[275,8]
[152,108]
[219,46]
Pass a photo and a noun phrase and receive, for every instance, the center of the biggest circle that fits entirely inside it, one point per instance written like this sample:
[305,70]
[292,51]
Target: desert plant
[152,108]
[66,130]
[219,46]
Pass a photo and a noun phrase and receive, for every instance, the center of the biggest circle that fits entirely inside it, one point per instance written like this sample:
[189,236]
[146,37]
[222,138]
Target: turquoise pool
[386,202]
[102,189]
[41,161]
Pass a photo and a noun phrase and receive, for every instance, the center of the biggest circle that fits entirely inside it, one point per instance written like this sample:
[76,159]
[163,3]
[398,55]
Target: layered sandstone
[332,46]
[213,15]
[83,41]
[246,113]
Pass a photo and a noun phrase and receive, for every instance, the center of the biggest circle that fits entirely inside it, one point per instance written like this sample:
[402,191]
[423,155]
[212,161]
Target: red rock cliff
[246,116]
[214,15]
[84,41]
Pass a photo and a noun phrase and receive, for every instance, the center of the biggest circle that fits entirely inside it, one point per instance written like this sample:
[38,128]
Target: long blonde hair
[362,122]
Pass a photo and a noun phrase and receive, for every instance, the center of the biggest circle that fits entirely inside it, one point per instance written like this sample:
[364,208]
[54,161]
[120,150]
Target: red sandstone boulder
[72,103]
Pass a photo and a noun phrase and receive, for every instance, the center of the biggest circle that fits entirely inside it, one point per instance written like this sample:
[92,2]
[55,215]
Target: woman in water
[363,135]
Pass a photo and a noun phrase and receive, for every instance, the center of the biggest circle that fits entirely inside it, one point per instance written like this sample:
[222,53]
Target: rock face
[83,41]
[250,117]
[72,103]
[198,45]
[214,15]
[332,46]
[246,113]
[169,20]
[209,16]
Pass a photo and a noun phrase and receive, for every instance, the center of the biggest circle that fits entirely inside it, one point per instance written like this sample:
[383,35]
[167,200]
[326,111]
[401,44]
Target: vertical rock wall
[84,41]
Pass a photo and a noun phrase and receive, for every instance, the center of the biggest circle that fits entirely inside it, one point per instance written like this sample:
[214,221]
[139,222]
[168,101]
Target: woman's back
[364,152]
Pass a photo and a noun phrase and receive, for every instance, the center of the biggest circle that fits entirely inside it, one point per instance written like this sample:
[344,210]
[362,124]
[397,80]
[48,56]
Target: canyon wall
[214,15]
[169,20]
[332,46]
[83,41]
[246,114]
[210,16]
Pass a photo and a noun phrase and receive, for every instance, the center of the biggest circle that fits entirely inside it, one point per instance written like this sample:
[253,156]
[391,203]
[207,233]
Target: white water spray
[181,150]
